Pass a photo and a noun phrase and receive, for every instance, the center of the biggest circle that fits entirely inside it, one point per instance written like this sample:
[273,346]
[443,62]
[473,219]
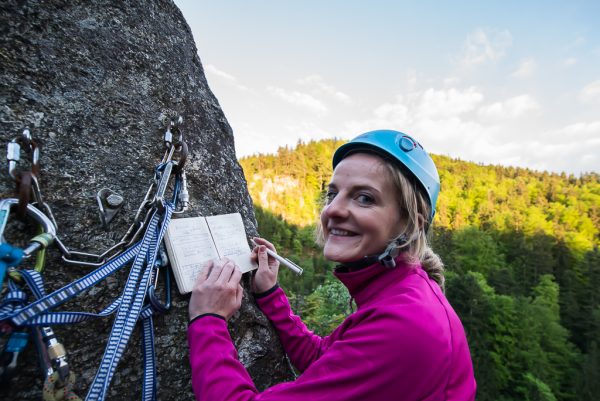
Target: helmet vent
[407,143]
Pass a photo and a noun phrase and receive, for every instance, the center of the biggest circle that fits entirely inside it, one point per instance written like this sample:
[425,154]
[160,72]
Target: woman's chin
[337,256]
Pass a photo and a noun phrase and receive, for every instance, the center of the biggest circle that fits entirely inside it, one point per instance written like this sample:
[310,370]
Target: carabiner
[181,196]
[39,241]
[56,353]
[170,144]
[13,154]
[153,299]
[161,262]
[184,151]
[165,176]
[173,123]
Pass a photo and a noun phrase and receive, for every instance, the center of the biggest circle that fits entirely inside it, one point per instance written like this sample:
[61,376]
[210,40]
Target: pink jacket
[404,342]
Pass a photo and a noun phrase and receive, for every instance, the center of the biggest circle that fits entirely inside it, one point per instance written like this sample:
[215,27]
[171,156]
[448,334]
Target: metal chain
[150,223]
[155,195]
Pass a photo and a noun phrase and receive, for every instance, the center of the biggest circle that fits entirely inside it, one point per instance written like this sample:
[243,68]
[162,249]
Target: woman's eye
[330,195]
[365,199]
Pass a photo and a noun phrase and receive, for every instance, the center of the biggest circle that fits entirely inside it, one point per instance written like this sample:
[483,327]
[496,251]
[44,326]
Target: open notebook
[192,241]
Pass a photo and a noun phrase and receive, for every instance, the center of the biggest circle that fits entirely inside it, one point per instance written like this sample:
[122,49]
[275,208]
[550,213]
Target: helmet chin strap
[387,258]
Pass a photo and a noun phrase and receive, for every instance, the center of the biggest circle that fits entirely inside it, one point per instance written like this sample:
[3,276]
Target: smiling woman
[404,342]
[361,196]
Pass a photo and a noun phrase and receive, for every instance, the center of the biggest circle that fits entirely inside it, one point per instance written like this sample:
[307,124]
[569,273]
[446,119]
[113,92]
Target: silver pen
[286,262]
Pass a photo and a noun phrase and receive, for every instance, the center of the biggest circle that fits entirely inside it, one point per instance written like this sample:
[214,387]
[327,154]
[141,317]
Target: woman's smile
[361,216]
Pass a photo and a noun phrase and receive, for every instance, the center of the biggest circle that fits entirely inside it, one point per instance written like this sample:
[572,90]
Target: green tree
[476,251]
[327,307]
[547,354]
[490,321]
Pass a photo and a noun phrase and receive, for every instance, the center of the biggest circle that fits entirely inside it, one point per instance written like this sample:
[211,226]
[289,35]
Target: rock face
[93,81]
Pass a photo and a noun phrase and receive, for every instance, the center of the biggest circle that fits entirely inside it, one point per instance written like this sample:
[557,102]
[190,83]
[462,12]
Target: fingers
[262,241]
[263,258]
[236,276]
[218,289]
[215,271]
[224,272]
[206,270]
[266,275]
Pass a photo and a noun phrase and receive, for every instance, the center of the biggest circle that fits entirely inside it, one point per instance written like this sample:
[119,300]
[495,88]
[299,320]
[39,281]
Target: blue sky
[511,83]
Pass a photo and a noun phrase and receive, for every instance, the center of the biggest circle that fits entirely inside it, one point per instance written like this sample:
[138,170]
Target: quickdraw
[141,246]
[52,352]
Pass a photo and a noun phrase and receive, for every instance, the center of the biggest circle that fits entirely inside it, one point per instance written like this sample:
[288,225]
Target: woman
[404,342]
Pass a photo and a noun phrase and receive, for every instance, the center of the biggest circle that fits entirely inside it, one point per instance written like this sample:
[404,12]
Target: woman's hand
[265,277]
[217,290]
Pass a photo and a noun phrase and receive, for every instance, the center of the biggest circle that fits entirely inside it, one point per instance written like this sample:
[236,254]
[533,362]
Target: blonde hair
[414,208]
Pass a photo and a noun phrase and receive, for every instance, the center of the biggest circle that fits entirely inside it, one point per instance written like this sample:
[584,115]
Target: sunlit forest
[521,254]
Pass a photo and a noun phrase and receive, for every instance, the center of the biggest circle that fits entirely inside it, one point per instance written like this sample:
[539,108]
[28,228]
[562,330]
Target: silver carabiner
[165,176]
[40,241]
[13,154]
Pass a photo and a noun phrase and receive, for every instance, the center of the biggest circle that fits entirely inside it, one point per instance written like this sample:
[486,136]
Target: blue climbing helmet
[404,150]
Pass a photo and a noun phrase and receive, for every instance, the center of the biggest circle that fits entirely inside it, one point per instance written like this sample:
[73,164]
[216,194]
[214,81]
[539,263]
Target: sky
[515,83]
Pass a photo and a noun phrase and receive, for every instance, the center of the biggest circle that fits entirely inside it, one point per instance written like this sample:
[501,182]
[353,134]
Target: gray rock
[93,82]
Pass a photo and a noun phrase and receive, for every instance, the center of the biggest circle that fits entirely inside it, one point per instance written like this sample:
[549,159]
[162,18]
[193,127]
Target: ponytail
[434,267]
[414,208]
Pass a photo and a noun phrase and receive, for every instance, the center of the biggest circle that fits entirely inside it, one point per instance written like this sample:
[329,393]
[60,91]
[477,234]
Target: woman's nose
[336,208]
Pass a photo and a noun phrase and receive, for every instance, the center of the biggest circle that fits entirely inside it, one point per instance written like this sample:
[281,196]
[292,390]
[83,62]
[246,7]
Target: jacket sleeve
[367,363]
[301,345]
[216,370]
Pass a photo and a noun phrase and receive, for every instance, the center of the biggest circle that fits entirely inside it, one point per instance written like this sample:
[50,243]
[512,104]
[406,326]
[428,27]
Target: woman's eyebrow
[357,187]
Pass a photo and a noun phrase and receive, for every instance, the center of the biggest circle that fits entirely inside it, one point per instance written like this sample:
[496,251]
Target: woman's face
[361,215]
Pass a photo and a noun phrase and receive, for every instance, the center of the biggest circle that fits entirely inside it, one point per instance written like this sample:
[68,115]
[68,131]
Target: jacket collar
[374,281]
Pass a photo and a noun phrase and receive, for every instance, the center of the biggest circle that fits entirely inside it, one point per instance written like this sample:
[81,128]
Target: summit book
[192,241]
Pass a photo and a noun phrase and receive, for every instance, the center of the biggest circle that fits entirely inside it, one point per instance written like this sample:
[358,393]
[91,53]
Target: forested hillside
[522,259]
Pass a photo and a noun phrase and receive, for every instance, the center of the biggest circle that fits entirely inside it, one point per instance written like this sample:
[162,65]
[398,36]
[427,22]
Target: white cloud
[574,148]
[429,104]
[319,86]
[456,121]
[451,81]
[437,118]
[591,131]
[590,92]
[508,131]
[510,108]
[481,47]
[300,99]
[570,61]
[448,102]
[526,68]
[230,79]
[308,130]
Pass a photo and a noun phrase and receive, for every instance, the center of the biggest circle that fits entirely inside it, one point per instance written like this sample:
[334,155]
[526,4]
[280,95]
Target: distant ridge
[291,182]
